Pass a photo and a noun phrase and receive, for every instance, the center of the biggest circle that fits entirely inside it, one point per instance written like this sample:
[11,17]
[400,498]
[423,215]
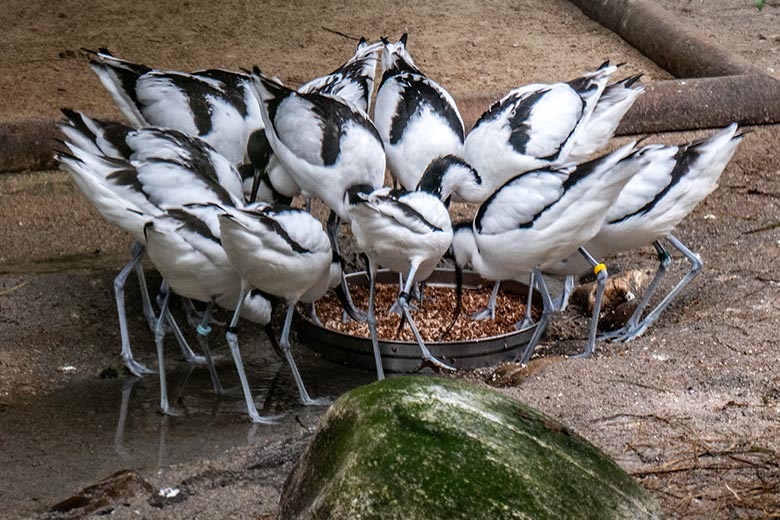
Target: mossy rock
[432,448]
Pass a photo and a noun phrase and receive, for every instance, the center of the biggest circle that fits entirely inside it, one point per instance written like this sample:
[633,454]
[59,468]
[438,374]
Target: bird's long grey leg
[333,234]
[311,310]
[403,300]
[203,329]
[136,368]
[380,372]
[489,312]
[146,302]
[418,292]
[195,317]
[696,265]
[395,308]
[528,318]
[284,343]
[600,270]
[189,355]
[232,341]
[563,300]
[544,319]
[414,294]
[664,261]
[159,335]
[191,313]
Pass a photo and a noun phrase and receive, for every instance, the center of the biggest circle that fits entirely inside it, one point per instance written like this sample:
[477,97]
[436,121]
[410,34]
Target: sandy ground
[690,409]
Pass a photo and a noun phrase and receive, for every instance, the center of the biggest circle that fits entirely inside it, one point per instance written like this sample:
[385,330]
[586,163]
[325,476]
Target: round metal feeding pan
[404,356]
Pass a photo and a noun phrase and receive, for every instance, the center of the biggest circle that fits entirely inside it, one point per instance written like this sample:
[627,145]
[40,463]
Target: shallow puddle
[53,445]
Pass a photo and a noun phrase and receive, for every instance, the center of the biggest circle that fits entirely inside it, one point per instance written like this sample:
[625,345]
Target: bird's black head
[258,149]
[433,176]
[444,175]
[356,193]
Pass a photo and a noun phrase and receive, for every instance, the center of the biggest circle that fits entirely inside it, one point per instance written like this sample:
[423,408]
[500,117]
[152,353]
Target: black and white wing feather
[325,144]
[533,126]
[416,117]
[353,81]
[392,205]
[215,105]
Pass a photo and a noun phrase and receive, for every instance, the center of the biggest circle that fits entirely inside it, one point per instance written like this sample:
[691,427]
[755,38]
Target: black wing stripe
[409,211]
[196,92]
[334,117]
[416,94]
[277,228]
[684,157]
[223,197]
[194,224]
[126,177]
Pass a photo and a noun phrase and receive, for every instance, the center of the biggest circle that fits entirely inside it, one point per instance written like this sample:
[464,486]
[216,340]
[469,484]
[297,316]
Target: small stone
[103,497]
[168,492]
[167,496]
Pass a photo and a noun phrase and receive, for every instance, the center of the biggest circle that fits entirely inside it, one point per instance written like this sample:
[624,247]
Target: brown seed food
[434,316]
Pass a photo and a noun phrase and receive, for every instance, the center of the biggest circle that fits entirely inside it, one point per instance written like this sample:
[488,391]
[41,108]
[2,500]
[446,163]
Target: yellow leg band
[599,268]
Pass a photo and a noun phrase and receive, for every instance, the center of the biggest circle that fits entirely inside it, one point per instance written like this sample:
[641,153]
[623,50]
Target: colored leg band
[598,268]
[203,330]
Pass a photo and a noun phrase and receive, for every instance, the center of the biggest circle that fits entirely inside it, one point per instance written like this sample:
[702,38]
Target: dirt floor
[691,409]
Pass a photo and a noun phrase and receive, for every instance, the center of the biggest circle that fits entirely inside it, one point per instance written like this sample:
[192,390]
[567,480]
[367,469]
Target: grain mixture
[433,316]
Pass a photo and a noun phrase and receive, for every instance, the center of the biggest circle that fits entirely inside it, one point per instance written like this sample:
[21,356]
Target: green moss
[424,447]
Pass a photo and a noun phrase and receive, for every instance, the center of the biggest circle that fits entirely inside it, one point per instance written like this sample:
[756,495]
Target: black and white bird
[283,252]
[221,108]
[542,215]
[184,246]
[118,141]
[168,169]
[407,232]
[542,125]
[327,145]
[352,82]
[662,193]
[417,118]
[215,105]
[614,102]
